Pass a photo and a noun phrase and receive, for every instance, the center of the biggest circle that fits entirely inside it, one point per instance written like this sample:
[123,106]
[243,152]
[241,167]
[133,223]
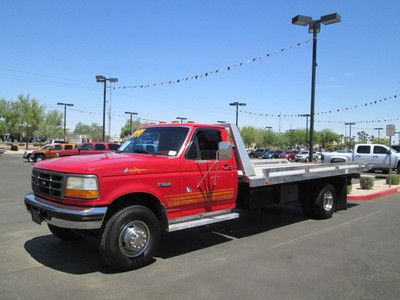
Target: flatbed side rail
[279,175]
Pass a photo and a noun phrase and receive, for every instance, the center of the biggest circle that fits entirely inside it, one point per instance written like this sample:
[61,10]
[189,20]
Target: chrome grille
[48,183]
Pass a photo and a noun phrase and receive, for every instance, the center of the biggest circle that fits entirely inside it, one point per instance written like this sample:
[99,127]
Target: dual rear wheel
[320,202]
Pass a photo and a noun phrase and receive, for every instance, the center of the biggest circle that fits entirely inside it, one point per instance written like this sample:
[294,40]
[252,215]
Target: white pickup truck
[376,155]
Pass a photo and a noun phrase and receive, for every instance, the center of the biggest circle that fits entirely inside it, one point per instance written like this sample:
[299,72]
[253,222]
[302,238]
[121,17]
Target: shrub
[367,182]
[393,179]
[36,144]
[9,144]
[14,148]
[21,144]
[349,189]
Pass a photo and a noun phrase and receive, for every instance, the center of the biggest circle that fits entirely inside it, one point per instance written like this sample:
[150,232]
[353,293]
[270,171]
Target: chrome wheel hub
[134,238]
[328,201]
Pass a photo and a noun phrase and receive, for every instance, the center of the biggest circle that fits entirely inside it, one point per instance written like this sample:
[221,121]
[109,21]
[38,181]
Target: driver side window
[204,145]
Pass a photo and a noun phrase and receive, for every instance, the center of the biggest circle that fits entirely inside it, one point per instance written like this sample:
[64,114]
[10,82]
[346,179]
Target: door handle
[227,167]
[375,156]
[358,156]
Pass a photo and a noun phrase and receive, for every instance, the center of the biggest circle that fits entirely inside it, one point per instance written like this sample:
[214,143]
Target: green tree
[295,137]
[383,141]
[268,138]
[126,129]
[326,138]
[31,113]
[95,131]
[10,116]
[52,126]
[250,136]
[362,136]
[81,128]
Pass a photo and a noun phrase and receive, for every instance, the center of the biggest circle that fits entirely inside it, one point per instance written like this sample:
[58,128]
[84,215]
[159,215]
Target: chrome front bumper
[64,216]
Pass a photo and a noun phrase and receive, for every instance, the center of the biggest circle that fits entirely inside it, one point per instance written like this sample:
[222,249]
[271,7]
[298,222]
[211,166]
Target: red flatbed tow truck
[170,177]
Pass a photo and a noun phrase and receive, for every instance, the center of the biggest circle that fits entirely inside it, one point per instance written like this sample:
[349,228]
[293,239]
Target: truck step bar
[200,220]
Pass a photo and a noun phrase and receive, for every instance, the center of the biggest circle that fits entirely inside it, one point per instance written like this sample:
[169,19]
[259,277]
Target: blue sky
[54,49]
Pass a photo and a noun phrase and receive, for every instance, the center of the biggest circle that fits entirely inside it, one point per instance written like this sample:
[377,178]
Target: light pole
[237,104]
[314,26]
[221,122]
[306,115]
[65,116]
[131,113]
[379,132]
[101,78]
[350,124]
[181,118]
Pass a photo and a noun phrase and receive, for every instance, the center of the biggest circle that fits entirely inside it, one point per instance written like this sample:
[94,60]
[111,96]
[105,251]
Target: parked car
[2,150]
[289,154]
[47,151]
[303,156]
[259,152]
[272,154]
[90,148]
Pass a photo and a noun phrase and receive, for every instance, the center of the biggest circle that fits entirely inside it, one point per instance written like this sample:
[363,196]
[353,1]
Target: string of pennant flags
[343,109]
[146,120]
[212,72]
[357,122]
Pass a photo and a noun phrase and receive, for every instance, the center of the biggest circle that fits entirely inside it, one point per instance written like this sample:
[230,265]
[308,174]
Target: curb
[375,195]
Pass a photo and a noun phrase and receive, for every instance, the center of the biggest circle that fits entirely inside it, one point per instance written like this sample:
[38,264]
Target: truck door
[207,183]
[54,150]
[380,157]
[99,148]
[363,153]
[86,149]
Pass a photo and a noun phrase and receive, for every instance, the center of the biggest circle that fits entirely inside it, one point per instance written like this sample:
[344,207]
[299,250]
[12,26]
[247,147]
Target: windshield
[303,152]
[156,140]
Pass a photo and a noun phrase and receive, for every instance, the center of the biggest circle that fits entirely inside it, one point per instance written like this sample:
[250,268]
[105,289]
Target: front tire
[130,238]
[65,233]
[39,158]
[324,202]
[30,158]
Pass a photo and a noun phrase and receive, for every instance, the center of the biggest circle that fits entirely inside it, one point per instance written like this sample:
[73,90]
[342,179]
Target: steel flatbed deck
[258,174]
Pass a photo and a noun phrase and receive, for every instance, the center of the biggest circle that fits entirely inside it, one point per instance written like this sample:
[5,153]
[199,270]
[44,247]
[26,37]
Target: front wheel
[30,158]
[65,233]
[130,238]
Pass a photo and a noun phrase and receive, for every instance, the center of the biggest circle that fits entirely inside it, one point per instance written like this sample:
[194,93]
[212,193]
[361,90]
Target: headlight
[82,187]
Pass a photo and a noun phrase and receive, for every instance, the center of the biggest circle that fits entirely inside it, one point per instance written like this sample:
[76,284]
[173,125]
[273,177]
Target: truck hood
[111,164]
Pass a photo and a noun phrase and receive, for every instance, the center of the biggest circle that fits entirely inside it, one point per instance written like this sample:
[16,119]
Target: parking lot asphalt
[274,253]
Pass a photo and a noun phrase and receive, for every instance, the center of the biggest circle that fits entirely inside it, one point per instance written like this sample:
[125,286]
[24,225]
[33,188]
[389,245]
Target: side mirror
[224,151]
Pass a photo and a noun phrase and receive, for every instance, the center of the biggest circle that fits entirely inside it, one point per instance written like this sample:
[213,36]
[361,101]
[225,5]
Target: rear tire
[324,202]
[130,238]
[30,158]
[398,168]
[65,233]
